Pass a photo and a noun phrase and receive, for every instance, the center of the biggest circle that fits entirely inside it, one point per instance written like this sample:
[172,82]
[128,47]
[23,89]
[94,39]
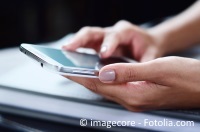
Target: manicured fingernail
[107,76]
[103,49]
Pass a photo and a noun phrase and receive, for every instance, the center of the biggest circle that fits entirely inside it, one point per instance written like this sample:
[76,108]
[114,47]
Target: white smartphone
[68,62]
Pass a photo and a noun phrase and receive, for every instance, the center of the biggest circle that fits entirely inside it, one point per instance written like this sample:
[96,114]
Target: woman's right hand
[122,39]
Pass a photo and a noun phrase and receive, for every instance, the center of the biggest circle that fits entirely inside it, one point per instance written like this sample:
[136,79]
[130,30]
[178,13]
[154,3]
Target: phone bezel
[50,64]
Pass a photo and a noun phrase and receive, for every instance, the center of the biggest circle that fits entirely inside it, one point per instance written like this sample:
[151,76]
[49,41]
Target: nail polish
[107,76]
[103,49]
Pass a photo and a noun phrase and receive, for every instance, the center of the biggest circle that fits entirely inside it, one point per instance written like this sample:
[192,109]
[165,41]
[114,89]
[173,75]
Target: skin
[162,83]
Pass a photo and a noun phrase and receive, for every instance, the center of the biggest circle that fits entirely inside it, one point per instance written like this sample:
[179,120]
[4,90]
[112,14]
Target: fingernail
[107,76]
[103,49]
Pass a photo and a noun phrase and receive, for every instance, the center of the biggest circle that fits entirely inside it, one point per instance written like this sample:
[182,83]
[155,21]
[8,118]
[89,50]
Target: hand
[123,39]
[164,83]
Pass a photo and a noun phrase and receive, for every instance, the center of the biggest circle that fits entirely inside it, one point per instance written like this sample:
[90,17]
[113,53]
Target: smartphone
[68,62]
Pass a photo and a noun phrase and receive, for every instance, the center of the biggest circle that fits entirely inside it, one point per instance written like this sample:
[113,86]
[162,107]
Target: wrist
[169,40]
[172,39]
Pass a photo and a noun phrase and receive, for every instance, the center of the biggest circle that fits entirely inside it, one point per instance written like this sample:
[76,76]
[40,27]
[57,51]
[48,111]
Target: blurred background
[36,21]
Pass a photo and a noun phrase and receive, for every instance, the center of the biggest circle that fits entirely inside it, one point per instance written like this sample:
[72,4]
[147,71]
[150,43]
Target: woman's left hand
[163,83]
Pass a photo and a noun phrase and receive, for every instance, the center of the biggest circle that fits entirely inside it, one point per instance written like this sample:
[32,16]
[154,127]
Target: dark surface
[35,21]
[27,124]
[41,125]
[34,124]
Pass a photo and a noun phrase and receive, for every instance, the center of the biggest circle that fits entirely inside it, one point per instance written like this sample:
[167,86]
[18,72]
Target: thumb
[128,72]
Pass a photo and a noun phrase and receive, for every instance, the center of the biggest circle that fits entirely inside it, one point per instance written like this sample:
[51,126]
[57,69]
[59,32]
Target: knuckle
[122,22]
[123,27]
[130,74]
[86,30]
[162,73]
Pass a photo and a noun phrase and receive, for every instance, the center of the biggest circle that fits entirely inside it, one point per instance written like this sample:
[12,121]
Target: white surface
[31,77]
[20,72]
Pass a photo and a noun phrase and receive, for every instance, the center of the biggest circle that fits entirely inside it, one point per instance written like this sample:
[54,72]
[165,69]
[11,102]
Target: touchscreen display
[75,59]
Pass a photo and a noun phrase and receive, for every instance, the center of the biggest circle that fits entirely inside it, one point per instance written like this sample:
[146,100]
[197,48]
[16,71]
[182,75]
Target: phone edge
[58,69]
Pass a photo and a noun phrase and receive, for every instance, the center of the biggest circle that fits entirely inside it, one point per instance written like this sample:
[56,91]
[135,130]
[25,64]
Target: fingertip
[116,73]
[65,47]
[70,46]
[105,52]
[103,49]
[107,76]
[103,55]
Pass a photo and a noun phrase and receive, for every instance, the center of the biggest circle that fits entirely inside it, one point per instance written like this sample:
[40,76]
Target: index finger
[84,37]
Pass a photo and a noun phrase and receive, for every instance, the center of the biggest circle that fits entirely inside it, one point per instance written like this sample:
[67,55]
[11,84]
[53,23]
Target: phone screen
[78,60]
